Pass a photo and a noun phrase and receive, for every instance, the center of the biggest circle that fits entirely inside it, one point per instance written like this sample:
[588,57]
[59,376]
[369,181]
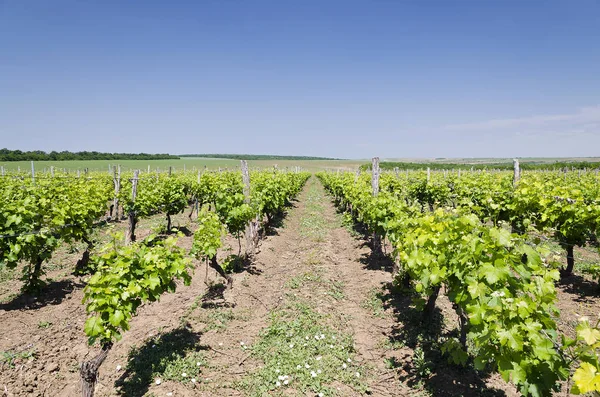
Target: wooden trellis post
[252,226]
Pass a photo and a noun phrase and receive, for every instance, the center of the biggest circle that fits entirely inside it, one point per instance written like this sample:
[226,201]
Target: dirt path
[313,262]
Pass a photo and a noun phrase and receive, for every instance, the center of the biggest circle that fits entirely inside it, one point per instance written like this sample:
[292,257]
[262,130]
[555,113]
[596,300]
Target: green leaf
[511,338]
[93,326]
[544,349]
[117,318]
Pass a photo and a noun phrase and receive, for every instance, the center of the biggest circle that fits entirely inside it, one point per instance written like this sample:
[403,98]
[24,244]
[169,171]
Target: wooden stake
[375,176]
[117,184]
[32,173]
[252,226]
[516,172]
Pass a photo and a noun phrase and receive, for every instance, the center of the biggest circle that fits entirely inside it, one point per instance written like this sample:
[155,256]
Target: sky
[346,79]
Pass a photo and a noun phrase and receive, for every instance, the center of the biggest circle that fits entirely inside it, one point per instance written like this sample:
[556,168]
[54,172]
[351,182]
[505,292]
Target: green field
[189,163]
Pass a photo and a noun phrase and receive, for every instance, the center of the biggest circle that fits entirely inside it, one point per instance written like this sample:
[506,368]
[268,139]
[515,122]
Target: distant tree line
[256,157]
[38,155]
[390,165]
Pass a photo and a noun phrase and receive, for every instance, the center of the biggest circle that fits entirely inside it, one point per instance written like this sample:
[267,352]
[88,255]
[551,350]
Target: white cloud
[584,121]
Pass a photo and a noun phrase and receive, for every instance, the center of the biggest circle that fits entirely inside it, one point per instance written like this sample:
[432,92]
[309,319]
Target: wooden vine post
[517,172]
[132,216]
[375,186]
[117,184]
[252,226]
[32,173]
[375,176]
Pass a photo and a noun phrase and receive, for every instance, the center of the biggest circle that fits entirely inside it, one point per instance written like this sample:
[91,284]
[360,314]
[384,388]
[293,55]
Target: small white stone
[278,383]
[198,364]
[344,366]
[285,382]
[318,371]
[220,343]
[193,380]
[118,367]
[319,358]
[169,394]
[357,374]
[349,360]
[184,374]
[158,382]
[306,366]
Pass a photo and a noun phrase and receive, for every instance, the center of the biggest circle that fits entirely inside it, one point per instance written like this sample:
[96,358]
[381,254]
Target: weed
[374,303]
[9,358]
[171,356]
[299,352]
[422,365]
[336,290]
[44,324]
[298,281]
[218,319]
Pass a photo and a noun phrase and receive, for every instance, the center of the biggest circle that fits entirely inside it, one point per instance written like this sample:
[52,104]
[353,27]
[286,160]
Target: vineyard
[304,297]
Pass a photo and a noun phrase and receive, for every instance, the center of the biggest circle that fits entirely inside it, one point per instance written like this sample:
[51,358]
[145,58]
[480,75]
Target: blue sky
[350,79]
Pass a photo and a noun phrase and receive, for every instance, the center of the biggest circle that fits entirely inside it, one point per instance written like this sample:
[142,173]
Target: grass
[300,352]
[217,319]
[374,303]
[336,290]
[178,165]
[312,224]
[174,356]
[300,280]
[6,274]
